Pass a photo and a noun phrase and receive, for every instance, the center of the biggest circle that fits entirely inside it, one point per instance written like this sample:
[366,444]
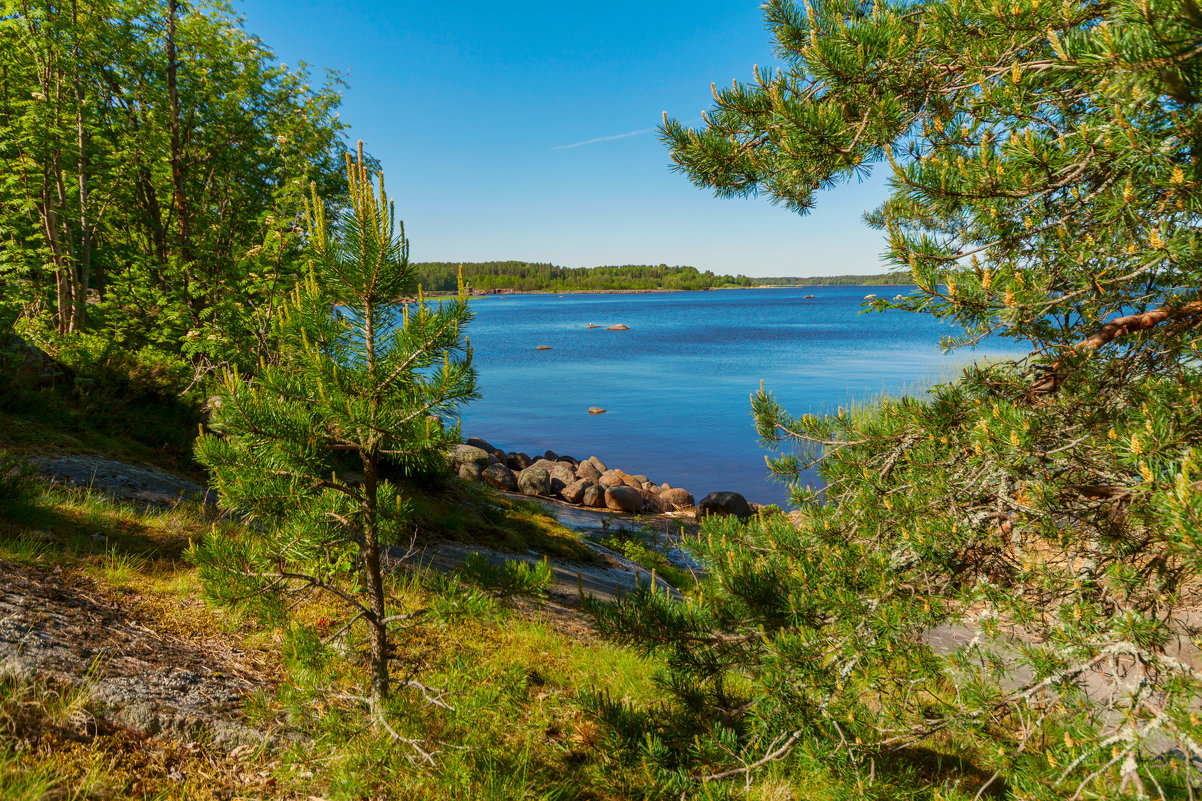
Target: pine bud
[1178,177]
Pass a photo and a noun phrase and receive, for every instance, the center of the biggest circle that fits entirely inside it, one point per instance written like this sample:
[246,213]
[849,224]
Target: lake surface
[676,386]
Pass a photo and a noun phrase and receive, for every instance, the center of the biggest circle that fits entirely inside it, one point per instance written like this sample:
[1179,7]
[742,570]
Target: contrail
[604,139]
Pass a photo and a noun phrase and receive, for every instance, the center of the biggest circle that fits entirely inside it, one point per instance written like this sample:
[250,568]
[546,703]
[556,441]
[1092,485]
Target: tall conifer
[310,447]
[1009,566]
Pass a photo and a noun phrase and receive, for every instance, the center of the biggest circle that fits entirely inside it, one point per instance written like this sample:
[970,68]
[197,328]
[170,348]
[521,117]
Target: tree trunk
[83,264]
[375,581]
[179,197]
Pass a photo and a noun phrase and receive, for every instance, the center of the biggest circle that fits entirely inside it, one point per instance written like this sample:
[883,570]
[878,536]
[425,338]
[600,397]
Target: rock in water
[534,480]
[723,503]
[543,347]
[618,327]
[624,499]
[595,410]
[500,476]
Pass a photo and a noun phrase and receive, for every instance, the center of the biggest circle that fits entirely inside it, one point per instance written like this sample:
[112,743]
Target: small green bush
[510,578]
[16,480]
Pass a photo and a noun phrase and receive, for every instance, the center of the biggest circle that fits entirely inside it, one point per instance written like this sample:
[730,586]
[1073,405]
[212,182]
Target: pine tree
[1010,561]
[310,448]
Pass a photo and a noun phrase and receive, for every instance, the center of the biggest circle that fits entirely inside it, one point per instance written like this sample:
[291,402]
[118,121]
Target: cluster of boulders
[583,483]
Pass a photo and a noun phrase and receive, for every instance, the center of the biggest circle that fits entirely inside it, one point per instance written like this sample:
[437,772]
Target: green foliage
[511,577]
[522,276]
[882,279]
[312,447]
[155,159]
[16,479]
[1005,567]
[644,546]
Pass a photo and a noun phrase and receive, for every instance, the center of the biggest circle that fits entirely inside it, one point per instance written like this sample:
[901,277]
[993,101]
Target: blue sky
[525,130]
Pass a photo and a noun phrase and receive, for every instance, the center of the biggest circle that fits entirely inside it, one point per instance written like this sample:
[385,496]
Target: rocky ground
[63,627]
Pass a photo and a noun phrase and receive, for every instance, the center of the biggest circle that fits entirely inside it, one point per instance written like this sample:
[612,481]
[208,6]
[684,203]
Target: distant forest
[881,279]
[526,277]
[521,276]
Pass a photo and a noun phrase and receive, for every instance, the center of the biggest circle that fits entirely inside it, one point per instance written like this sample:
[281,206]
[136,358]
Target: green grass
[475,514]
[494,699]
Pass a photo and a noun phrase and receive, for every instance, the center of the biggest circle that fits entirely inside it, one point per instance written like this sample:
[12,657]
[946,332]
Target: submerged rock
[595,410]
[618,327]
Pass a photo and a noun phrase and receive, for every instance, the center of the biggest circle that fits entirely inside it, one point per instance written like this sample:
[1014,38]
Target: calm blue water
[677,384]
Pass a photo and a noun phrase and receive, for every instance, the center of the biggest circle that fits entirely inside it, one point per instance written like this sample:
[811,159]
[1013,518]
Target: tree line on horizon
[524,276]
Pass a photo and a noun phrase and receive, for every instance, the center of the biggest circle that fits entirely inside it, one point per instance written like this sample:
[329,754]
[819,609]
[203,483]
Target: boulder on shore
[560,473]
[534,480]
[724,503]
[586,471]
[470,471]
[678,498]
[612,478]
[593,496]
[624,499]
[574,492]
[500,476]
[476,442]
[597,463]
[518,461]
[654,503]
[464,454]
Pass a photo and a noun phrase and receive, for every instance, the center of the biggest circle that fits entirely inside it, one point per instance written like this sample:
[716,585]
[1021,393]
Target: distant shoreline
[502,292]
